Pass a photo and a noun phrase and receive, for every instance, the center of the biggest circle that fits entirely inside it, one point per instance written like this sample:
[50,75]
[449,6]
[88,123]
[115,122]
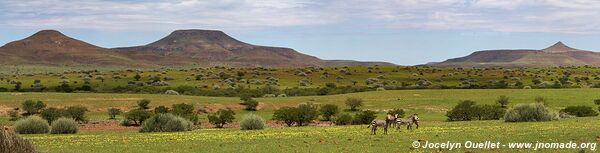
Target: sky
[405,32]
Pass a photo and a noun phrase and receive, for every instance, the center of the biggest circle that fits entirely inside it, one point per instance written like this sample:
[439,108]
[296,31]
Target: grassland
[431,105]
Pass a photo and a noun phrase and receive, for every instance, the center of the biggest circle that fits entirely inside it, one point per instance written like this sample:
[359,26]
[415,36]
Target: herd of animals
[394,120]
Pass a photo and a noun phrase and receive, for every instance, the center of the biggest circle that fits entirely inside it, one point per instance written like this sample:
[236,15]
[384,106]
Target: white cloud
[573,16]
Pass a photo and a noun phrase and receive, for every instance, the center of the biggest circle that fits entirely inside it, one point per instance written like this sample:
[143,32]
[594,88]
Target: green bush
[14,115]
[502,101]
[32,107]
[143,104]
[398,111]
[221,117]
[252,122]
[288,115]
[186,111]
[12,142]
[354,103]
[328,110]
[343,119]
[364,117]
[597,101]
[166,123]
[76,112]
[462,112]
[529,113]
[580,111]
[137,116]
[113,112]
[161,110]
[52,114]
[32,125]
[64,126]
[488,112]
[307,112]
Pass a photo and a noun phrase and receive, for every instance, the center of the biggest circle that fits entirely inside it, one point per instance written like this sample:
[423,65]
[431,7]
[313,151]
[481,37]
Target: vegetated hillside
[558,54]
[217,48]
[50,47]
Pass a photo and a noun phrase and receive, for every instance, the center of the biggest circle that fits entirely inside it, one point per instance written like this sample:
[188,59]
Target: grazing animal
[378,123]
[413,119]
[390,119]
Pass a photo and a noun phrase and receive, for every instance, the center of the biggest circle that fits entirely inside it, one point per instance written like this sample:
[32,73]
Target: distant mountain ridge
[558,54]
[180,48]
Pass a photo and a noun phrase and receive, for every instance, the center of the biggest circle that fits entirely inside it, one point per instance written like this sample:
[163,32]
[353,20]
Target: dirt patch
[105,126]
[5,109]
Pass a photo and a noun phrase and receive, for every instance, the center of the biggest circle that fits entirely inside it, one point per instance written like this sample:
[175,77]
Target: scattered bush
[354,103]
[161,110]
[186,111]
[76,112]
[143,104]
[502,101]
[252,122]
[250,103]
[328,110]
[221,117]
[306,113]
[580,111]
[14,115]
[11,142]
[528,113]
[32,125]
[166,123]
[137,116]
[52,114]
[64,126]
[288,115]
[343,119]
[32,107]
[542,100]
[364,117]
[461,112]
[488,112]
[597,101]
[399,112]
[113,112]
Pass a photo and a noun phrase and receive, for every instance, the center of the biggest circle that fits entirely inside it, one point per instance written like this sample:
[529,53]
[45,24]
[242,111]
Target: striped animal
[378,123]
[390,119]
[413,119]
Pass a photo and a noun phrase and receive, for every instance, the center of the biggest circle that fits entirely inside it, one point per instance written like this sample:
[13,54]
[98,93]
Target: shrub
[353,103]
[32,107]
[14,115]
[143,104]
[364,117]
[306,113]
[597,101]
[32,125]
[113,112]
[400,112]
[52,114]
[540,99]
[161,110]
[252,122]
[502,101]
[488,112]
[64,126]
[461,112]
[77,113]
[221,117]
[343,119]
[580,111]
[529,112]
[287,115]
[137,116]
[166,123]
[11,142]
[186,111]
[328,110]
[250,103]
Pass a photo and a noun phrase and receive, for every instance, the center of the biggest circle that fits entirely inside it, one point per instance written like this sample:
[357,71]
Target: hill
[558,54]
[217,48]
[180,48]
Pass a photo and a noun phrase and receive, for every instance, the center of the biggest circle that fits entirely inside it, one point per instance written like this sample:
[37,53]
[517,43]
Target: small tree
[306,113]
[221,117]
[250,103]
[161,110]
[77,113]
[364,117]
[328,111]
[353,103]
[113,112]
[343,119]
[143,104]
[399,112]
[287,115]
[137,116]
[52,114]
[462,112]
[32,107]
[186,111]
[503,101]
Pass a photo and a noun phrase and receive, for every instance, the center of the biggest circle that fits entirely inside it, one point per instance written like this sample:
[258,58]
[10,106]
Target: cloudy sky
[404,32]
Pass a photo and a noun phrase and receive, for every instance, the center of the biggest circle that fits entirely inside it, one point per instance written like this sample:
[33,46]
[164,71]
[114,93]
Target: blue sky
[405,32]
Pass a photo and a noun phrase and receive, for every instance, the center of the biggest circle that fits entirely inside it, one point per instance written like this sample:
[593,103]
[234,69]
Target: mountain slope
[49,47]
[558,54]
[218,48]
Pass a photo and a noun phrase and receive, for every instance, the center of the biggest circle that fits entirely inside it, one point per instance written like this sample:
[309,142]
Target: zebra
[413,119]
[390,119]
[376,123]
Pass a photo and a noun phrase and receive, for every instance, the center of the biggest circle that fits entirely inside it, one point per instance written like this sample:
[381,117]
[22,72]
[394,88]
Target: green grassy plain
[431,106]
